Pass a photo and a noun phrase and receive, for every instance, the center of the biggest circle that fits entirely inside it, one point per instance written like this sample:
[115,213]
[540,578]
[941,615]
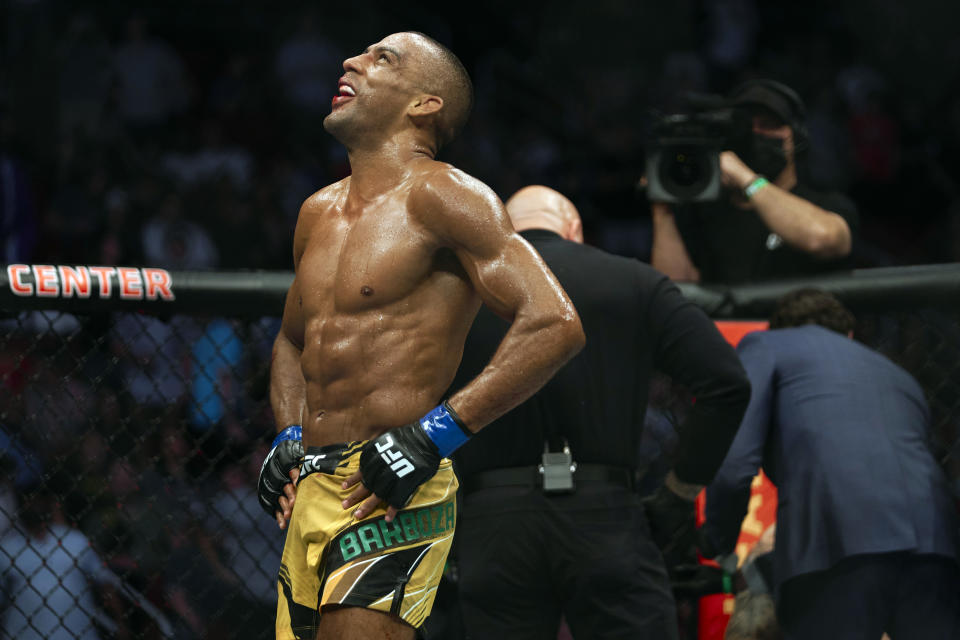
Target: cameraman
[768,225]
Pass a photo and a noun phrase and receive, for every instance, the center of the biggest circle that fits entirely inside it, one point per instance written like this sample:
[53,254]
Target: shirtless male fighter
[392,264]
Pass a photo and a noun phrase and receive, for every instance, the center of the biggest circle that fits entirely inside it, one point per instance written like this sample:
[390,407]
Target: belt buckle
[556,472]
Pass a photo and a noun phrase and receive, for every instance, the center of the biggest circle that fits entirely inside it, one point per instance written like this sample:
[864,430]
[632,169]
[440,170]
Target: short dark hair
[809,305]
[452,83]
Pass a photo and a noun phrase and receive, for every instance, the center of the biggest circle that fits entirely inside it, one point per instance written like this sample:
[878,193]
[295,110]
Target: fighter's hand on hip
[276,488]
[394,464]
[368,501]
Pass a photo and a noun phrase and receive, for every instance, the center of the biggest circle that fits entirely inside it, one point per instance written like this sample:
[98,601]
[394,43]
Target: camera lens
[685,169]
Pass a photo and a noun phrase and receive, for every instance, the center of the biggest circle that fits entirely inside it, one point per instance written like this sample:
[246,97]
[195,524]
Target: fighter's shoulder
[326,199]
[442,188]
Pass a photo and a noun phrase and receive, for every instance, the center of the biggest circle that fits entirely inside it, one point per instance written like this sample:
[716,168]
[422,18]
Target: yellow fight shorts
[331,559]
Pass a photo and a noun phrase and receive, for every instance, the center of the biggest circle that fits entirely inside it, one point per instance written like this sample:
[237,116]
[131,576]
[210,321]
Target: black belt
[586,474]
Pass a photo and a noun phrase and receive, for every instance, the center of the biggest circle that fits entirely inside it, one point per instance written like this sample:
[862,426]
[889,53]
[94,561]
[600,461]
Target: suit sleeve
[729,494]
[689,348]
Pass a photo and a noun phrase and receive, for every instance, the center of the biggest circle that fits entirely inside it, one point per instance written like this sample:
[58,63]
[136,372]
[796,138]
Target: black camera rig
[683,151]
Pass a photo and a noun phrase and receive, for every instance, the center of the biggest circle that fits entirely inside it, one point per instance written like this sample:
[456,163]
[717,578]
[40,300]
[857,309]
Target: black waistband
[326,459]
[586,475]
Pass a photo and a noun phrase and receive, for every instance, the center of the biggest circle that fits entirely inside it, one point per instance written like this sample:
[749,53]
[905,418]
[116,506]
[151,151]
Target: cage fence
[131,441]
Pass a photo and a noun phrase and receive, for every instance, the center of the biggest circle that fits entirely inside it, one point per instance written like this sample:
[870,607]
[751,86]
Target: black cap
[770,95]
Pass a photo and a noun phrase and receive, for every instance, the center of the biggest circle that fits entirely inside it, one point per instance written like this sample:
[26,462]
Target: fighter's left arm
[465,216]
[802,224]
[511,279]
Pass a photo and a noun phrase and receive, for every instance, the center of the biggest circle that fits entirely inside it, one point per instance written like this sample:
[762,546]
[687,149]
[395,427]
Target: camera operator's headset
[798,109]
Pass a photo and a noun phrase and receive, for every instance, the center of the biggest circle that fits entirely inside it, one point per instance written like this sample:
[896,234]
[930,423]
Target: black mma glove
[394,464]
[287,453]
[673,526]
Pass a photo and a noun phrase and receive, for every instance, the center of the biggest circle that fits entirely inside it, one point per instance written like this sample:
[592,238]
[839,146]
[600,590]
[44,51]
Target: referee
[551,525]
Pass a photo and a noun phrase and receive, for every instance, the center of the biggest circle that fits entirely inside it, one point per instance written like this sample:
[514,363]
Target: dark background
[193,146]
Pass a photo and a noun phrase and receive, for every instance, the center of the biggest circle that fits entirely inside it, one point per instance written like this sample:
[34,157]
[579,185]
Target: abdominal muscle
[366,374]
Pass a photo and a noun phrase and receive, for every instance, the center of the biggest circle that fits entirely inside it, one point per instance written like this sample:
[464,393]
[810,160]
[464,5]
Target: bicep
[510,277]
[507,273]
[291,325]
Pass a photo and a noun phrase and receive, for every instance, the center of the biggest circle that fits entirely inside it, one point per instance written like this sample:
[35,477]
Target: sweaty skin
[392,264]
[384,302]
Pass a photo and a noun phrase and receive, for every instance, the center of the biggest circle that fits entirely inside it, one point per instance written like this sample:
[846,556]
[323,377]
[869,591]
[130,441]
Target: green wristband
[758,183]
[727,583]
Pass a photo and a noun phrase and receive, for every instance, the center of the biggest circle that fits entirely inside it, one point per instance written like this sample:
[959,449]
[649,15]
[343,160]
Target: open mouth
[344,94]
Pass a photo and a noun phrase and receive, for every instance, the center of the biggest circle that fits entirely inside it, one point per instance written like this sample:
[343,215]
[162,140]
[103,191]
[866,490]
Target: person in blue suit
[867,530]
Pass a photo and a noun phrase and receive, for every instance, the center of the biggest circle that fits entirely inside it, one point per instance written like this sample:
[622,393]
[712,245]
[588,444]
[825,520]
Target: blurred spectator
[215,374]
[214,158]
[18,214]
[119,238]
[251,544]
[308,63]
[173,241]
[153,81]
[58,404]
[246,232]
[49,571]
[27,466]
[151,356]
[732,33]
[86,77]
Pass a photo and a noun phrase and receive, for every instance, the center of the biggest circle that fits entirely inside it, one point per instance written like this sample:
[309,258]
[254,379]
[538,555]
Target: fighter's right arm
[668,254]
[287,386]
[276,487]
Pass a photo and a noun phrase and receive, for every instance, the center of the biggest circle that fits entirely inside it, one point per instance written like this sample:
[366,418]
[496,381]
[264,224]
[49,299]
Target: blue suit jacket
[843,433]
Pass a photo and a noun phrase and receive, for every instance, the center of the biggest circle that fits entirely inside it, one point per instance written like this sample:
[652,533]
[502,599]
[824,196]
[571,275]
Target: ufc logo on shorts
[400,465]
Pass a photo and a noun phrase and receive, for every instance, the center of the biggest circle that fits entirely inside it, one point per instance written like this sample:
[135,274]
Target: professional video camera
[683,152]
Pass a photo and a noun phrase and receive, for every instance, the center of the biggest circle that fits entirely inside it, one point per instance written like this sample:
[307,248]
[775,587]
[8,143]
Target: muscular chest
[353,265]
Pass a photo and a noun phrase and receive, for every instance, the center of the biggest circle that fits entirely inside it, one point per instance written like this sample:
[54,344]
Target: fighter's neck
[373,172]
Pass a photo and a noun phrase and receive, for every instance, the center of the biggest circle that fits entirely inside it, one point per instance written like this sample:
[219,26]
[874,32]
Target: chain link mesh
[133,443]
[131,446]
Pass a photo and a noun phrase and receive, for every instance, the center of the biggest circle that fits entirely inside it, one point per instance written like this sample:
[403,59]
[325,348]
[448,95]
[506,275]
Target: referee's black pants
[525,559]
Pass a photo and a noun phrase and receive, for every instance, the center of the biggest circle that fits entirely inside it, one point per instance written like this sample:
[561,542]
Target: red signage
[48,281]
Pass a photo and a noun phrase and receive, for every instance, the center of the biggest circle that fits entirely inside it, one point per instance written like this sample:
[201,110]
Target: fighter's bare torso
[384,309]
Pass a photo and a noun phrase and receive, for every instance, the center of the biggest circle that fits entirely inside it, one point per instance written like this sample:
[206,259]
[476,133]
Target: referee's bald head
[540,207]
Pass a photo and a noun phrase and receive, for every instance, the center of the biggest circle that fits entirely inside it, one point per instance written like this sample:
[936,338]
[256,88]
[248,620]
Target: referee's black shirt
[636,321]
